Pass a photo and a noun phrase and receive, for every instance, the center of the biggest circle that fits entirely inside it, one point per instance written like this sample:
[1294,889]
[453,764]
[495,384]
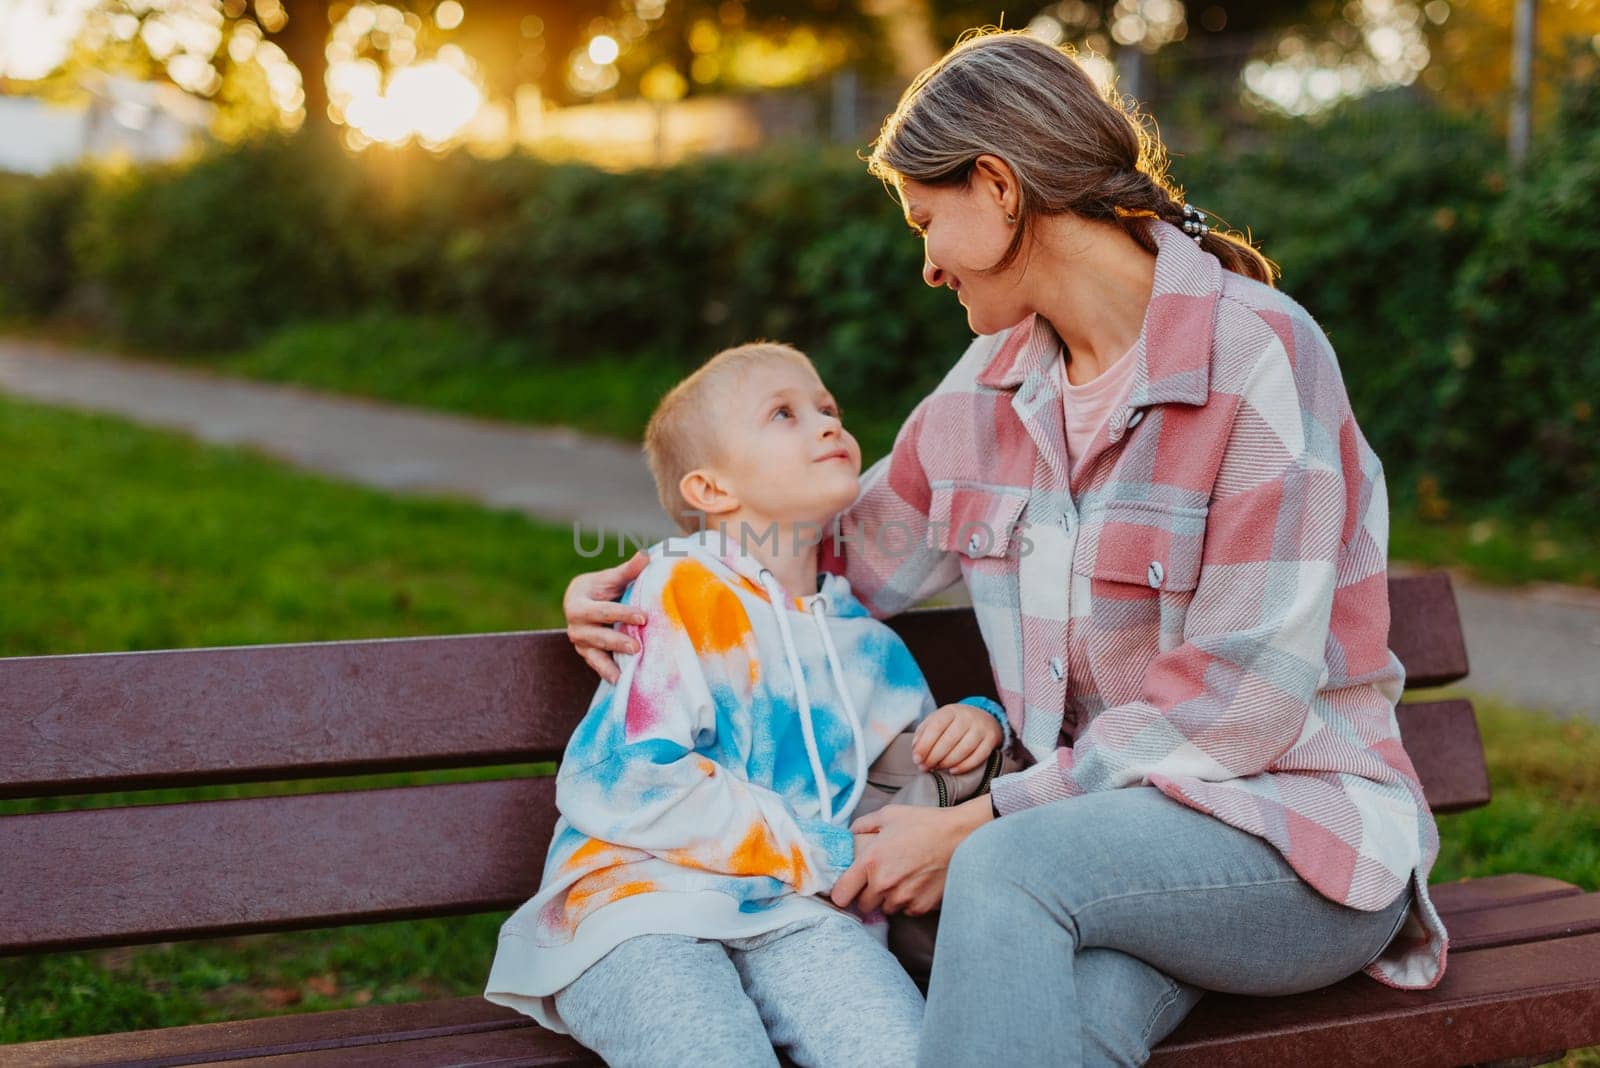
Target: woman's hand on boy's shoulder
[957,737]
[591,607]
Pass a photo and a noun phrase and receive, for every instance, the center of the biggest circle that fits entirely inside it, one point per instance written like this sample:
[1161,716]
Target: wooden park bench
[1523,980]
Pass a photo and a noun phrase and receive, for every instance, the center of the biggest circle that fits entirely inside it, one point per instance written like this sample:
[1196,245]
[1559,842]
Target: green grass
[1545,814]
[121,539]
[1498,547]
[437,364]
[116,537]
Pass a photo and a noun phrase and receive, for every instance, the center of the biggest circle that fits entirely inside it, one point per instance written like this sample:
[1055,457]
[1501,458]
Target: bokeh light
[389,95]
[1381,44]
[603,50]
[448,15]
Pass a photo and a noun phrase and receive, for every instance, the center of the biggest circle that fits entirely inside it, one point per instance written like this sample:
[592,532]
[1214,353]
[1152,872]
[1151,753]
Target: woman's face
[964,232]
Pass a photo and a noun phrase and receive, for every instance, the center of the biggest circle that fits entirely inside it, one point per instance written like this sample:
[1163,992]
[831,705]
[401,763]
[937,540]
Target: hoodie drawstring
[856,741]
[779,601]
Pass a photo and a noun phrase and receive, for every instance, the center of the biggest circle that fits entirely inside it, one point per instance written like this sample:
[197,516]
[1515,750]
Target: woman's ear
[995,181]
[704,491]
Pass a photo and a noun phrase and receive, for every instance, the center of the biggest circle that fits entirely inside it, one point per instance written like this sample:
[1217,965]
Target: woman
[1174,536]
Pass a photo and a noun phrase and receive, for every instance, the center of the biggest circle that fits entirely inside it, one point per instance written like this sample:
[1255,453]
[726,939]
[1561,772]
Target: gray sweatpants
[824,991]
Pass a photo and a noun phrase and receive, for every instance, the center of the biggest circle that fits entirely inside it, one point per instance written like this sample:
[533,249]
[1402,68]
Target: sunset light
[430,101]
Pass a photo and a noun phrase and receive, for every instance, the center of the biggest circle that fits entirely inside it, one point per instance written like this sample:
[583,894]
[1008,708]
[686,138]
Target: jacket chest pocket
[980,522]
[1141,545]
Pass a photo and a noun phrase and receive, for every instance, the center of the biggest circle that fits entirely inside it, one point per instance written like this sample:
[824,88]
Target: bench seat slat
[528,1046]
[205,869]
[266,1036]
[127,721]
[1496,891]
[1560,917]
[1491,1004]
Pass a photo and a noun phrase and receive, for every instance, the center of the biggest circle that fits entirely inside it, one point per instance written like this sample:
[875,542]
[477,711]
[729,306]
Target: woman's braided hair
[1072,147]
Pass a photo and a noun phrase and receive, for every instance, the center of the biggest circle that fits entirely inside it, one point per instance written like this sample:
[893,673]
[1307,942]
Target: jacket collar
[1173,355]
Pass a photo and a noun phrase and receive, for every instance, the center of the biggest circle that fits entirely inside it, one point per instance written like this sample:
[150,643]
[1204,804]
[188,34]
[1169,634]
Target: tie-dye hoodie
[689,794]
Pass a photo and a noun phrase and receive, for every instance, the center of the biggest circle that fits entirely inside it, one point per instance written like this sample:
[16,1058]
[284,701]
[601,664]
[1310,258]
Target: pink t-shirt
[1089,406]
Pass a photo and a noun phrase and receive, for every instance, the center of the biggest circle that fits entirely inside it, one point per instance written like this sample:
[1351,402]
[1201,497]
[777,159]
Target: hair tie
[1194,222]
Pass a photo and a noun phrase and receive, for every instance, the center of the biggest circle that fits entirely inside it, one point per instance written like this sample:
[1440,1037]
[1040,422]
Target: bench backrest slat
[1425,629]
[277,863]
[211,868]
[113,876]
[1441,738]
[188,717]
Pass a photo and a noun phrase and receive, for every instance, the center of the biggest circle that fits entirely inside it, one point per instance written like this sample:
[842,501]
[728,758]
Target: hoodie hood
[716,547]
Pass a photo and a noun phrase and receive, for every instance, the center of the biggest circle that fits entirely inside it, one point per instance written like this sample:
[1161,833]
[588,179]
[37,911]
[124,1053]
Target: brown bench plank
[299,1032]
[1441,738]
[124,721]
[1491,1004]
[1535,921]
[1495,891]
[1425,629]
[118,876]
[276,863]
[501,1049]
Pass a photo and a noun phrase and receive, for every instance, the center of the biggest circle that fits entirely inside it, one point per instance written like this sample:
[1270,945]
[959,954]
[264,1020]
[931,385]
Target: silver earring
[1194,223]
[1011,220]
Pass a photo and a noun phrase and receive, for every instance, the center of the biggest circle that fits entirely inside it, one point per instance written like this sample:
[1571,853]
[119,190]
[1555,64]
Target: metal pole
[1522,51]
[844,105]
[1130,71]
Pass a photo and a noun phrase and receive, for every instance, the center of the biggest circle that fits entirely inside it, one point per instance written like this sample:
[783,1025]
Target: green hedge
[1523,384]
[37,271]
[1461,301]
[565,260]
[1370,215]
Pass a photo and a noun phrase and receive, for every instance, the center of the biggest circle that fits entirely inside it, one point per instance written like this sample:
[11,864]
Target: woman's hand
[956,737]
[590,607]
[901,866]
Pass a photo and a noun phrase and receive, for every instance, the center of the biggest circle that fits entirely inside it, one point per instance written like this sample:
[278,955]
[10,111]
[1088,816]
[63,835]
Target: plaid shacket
[1201,605]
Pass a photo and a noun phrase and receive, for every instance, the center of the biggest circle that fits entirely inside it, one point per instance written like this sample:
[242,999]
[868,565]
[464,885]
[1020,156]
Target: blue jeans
[1083,931]
[824,991]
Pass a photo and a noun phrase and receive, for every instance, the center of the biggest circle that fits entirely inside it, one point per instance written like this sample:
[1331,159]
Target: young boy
[705,798]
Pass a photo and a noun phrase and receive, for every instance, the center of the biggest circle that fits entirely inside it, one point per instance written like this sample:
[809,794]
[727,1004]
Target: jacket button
[1155,574]
[1057,668]
[973,544]
[1133,420]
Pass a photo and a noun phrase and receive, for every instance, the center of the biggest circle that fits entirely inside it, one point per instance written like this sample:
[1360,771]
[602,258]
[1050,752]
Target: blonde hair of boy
[682,432]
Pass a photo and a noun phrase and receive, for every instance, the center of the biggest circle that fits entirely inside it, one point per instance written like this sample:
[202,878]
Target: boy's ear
[704,491]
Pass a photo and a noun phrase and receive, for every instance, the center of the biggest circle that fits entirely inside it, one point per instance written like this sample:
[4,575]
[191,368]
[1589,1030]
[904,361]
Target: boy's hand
[956,738]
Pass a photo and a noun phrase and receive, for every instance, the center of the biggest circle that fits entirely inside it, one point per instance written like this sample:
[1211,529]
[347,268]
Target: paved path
[552,474]
[1538,647]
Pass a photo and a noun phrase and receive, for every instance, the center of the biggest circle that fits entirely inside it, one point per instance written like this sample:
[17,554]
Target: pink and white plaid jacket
[1200,606]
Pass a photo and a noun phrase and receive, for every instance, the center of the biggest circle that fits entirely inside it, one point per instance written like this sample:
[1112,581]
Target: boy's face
[786,456]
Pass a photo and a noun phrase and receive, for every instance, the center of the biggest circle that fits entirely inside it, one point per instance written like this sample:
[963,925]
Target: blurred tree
[204,47]
[300,28]
[1472,51]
